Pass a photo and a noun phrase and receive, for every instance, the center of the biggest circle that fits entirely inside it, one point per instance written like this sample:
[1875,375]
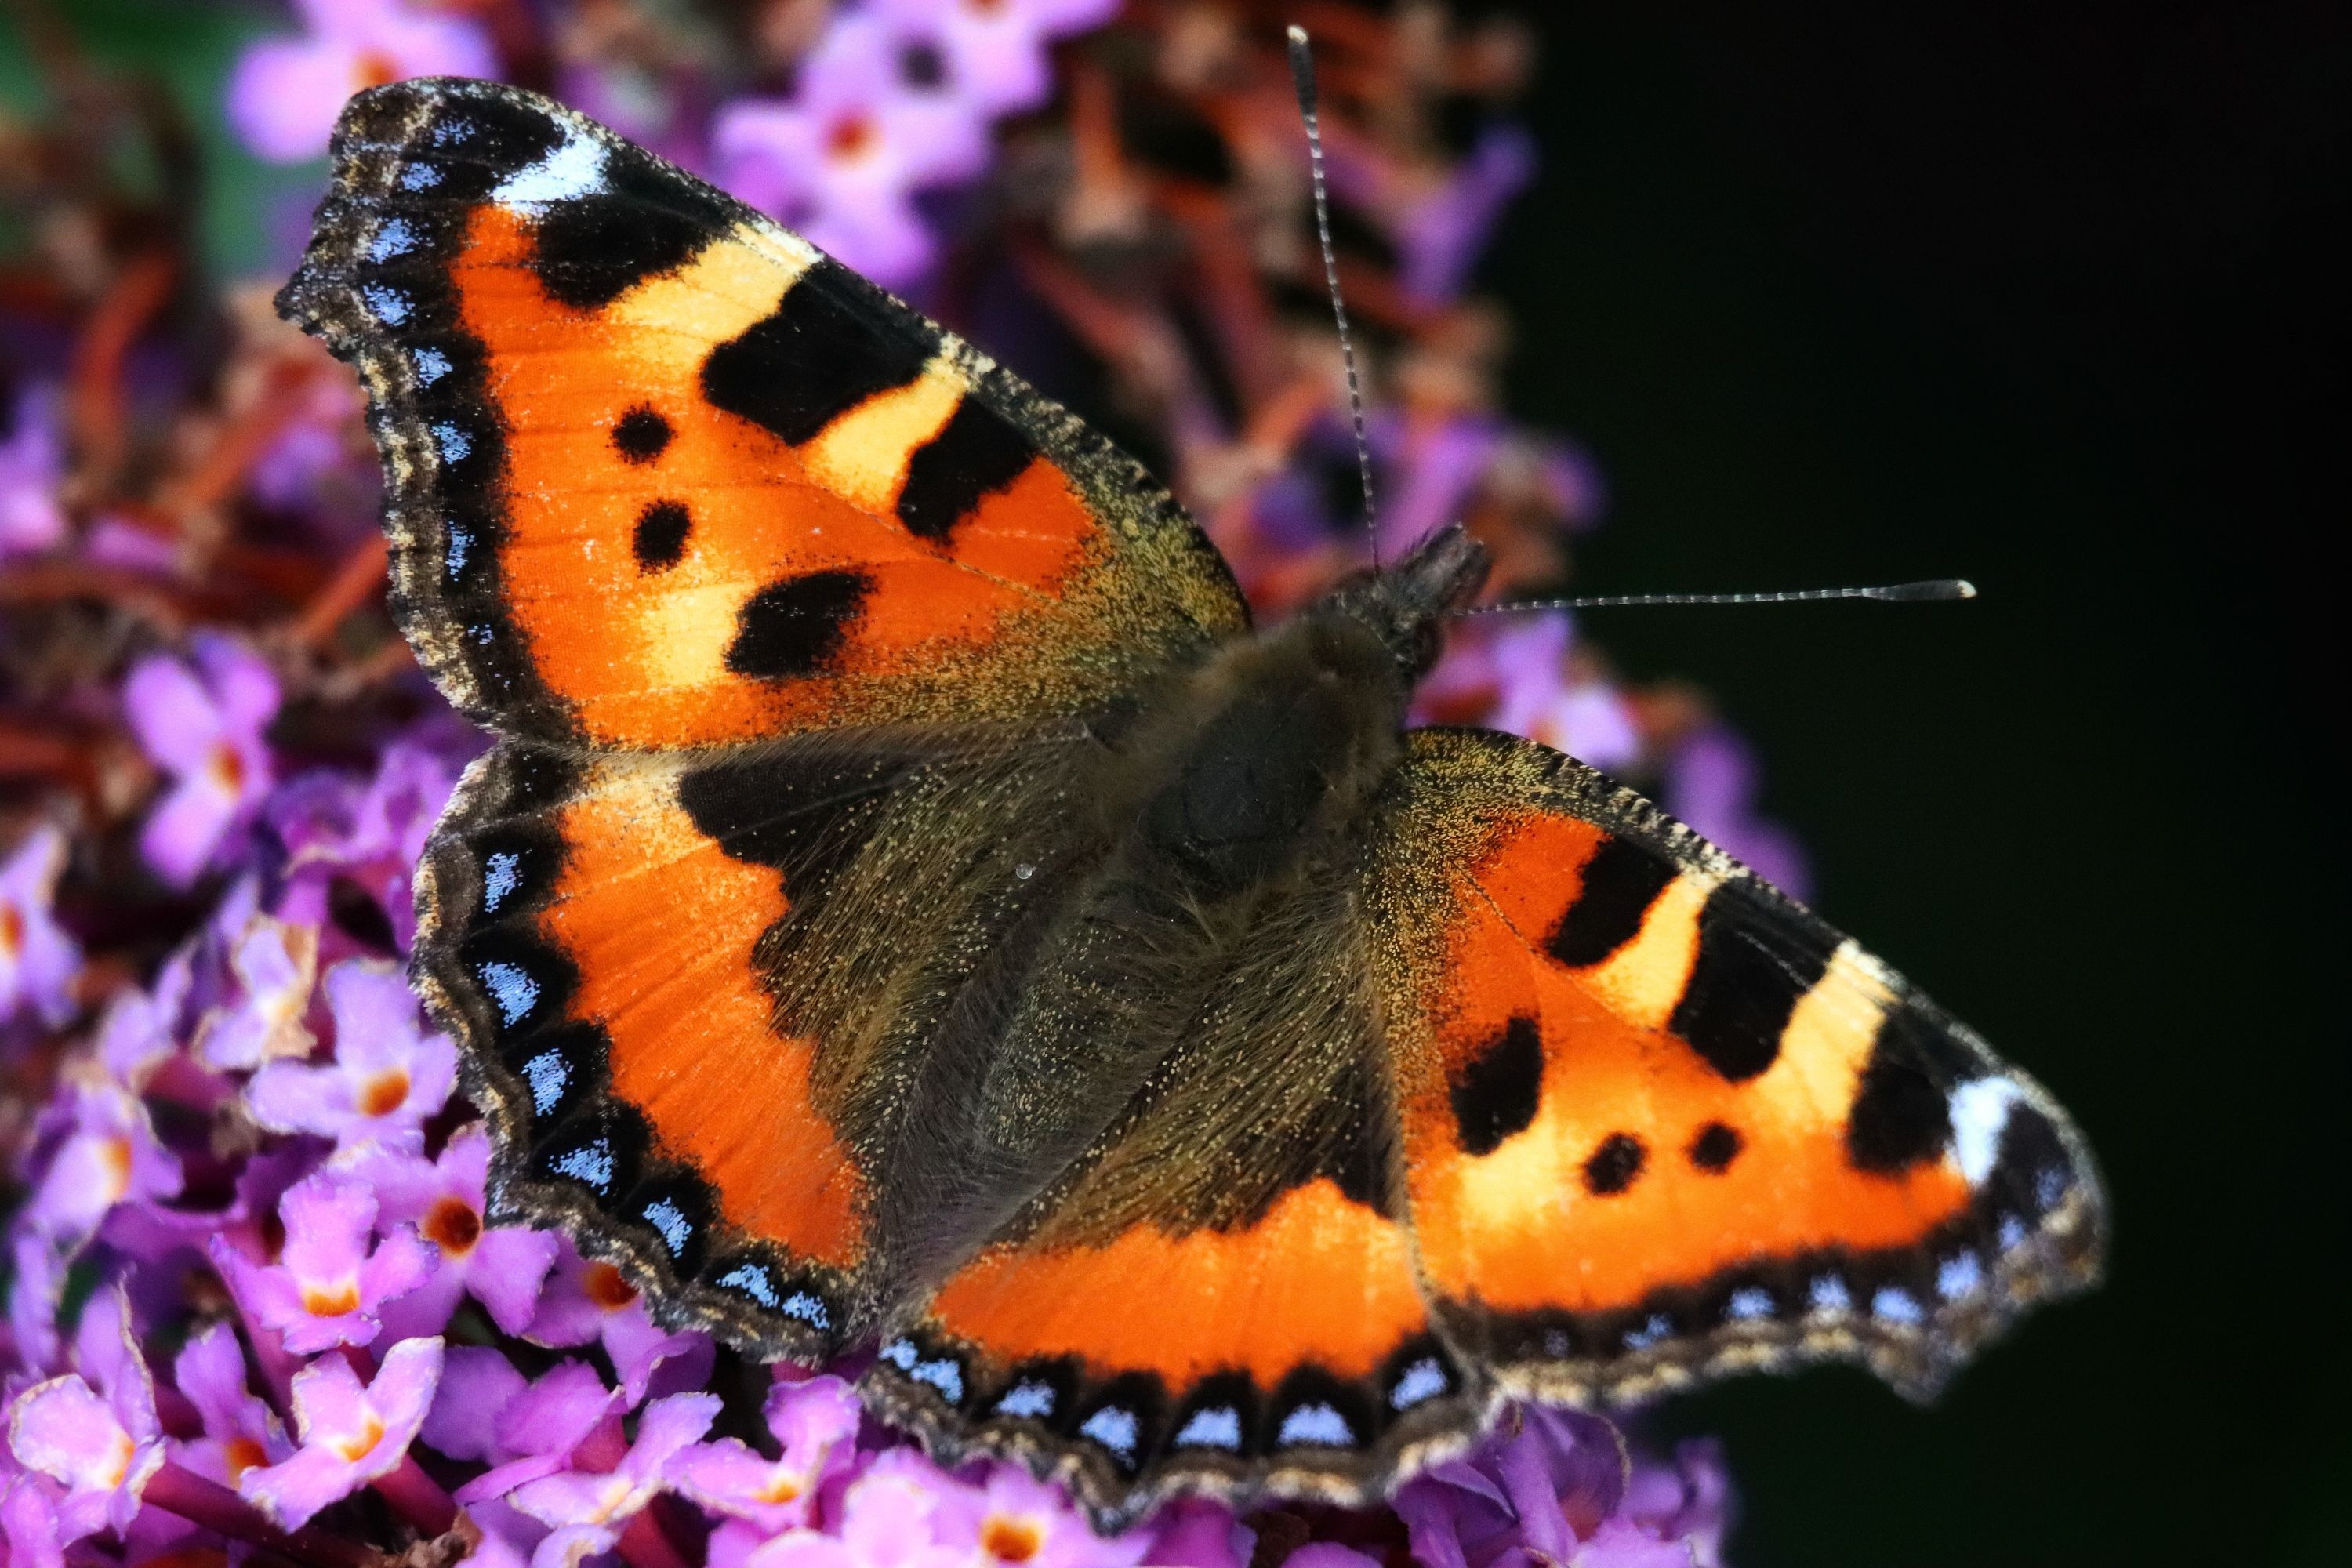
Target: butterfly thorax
[1245,763]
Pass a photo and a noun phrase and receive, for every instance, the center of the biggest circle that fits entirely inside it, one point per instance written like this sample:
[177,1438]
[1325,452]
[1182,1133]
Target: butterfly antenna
[1938,589]
[1302,75]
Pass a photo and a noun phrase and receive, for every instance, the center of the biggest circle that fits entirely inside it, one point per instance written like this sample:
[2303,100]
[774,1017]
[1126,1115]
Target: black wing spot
[1495,1094]
[793,628]
[1621,881]
[1615,1166]
[1716,1147]
[1901,1115]
[659,540]
[979,452]
[641,434]
[646,221]
[1745,984]
[831,343]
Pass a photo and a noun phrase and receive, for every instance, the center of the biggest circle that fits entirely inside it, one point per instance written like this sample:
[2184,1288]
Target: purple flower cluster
[252,1298]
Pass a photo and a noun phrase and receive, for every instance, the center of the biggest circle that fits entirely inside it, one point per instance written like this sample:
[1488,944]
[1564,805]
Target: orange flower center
[851,138]
[452,1225]
[360,1444]
[783,1489]
[384,1093]
[12,932]
[331,1301]
[374,68]
[115,1155]
[1010,1540]
[240,1455]
[226,768]
[604,1286]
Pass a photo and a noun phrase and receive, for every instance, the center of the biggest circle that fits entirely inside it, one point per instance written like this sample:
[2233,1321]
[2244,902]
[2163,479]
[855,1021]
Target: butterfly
[908,905]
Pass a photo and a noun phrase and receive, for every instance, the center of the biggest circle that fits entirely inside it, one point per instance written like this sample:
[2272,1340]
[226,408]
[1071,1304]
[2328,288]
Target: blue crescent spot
[1958,1276]
[393,237]
[390,305]
[510,986]
[1217,1426]
[501,874]
[549,1075]
[1748,1303]
[942,1375]
[1829,1294]
[1894,1306]
[1423,1380]
[1317,1424]
[670,1220]
[1032,1399]
[590,1163]
[754,1281]
[1113,1427]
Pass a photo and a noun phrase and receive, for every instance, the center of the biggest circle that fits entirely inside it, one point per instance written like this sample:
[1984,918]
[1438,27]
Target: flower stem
[643,1545]
[212,1505]
[417,1497]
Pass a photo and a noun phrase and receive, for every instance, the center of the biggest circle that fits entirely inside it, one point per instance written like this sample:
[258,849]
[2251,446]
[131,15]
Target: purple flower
[1710,784]
[240,1432]
[387,1075]
[1558,1490]
[203,727]
[140,1031]
[104,1443]
[314,448]
[587,1299]
[108,1154]
[524,1432]
[992,52]
[370,838]
[839,160]
[502,1268]
[350,1435]
[816,1427]
[327,1287]
[285,92]
[1440,232]
[586,1508]
[39,962]
[886,1521]
[32,460]
[1013,1517]
[28,1523]
[1545,697]
[276,964]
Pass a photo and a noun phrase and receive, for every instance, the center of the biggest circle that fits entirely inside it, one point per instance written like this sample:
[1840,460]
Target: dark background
[2052,297]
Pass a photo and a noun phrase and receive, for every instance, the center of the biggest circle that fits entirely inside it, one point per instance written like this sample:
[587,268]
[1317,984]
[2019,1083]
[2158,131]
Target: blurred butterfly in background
[910,906]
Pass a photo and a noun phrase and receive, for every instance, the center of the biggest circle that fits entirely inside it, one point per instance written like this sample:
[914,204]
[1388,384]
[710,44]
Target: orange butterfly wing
[664,484]
[663,476]
[1659,1122]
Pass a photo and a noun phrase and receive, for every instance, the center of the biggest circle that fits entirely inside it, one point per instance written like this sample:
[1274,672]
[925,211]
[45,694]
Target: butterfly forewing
[664,476]
[1659,1122]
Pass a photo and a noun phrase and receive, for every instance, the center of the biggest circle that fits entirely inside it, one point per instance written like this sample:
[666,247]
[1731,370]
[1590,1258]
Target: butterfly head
[1404,605]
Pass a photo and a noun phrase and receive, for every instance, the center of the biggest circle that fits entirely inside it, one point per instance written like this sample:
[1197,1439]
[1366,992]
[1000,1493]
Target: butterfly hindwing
[663,476]
[1662,1122]
[593,939]
[1219,1292]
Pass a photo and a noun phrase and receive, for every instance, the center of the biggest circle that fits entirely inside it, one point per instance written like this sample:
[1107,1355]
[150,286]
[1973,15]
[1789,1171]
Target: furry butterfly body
[909,905]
